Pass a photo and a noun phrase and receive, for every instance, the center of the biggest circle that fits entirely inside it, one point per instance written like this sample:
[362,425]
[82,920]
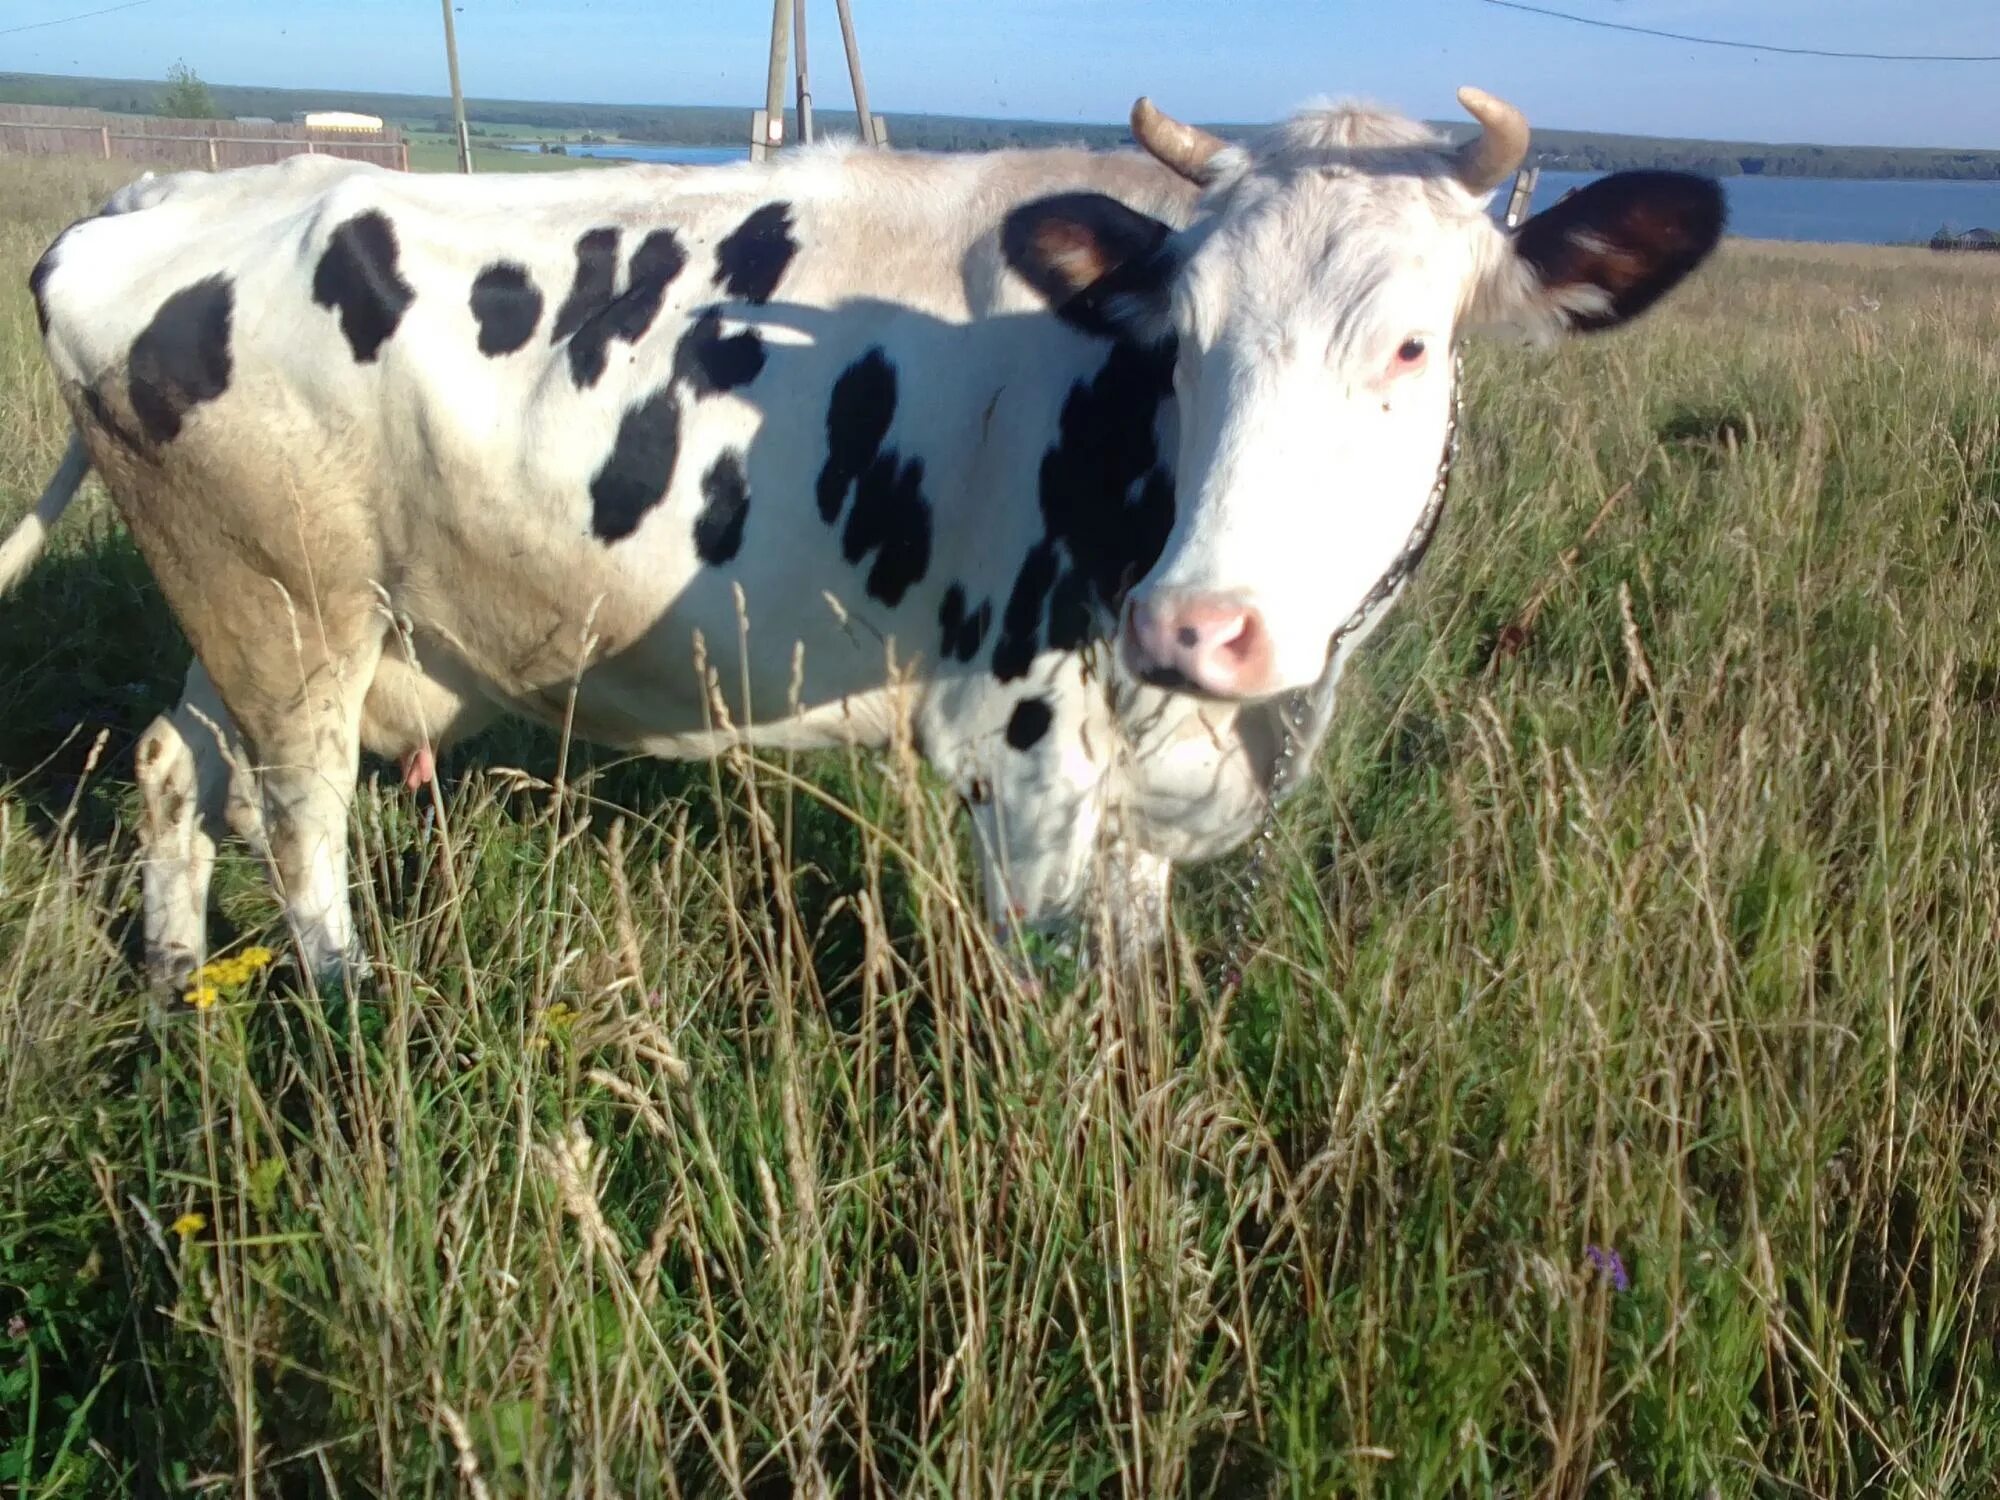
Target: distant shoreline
[717,125]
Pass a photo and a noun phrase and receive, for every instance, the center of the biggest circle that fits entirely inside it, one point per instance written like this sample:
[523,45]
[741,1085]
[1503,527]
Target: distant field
[430,152]
[1646,905]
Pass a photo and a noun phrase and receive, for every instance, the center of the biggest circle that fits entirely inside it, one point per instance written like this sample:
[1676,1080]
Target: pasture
[1611,1106]
[435,151]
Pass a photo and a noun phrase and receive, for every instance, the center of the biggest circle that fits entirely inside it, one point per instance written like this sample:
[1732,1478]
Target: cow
[1088,471]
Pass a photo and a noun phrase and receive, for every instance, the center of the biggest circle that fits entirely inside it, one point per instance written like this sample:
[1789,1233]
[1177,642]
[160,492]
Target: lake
[1826,209]
[1833,210]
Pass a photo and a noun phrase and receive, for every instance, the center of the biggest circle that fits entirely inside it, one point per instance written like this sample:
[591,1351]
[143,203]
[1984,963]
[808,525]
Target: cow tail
[24,543]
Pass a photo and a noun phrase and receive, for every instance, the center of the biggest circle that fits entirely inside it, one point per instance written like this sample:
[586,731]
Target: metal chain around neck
[1299,706]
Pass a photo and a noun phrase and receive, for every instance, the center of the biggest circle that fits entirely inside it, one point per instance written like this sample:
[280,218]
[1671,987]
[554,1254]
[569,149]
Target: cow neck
[1303,715]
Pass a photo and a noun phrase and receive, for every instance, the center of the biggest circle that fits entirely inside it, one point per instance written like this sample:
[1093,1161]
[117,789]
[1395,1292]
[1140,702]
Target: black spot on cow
[627,316]
[1152,517]
[1021,619]
[38,277]
[590,288]
[857,424]
[964,630]
[358,278]
[752,260]
[1028,723]
[890,516]
[1104,495]
[1107,505]
[725,506]
[38,280]
[507,304]
[182,358]
[1072,611]
[709,362]
[635,477]
[102,414]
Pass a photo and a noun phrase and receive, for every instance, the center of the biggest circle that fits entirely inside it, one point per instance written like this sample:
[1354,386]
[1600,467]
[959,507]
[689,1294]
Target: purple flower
[1608,1264]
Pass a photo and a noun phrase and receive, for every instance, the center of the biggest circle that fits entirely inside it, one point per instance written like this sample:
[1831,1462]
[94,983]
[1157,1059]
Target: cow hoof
[346,970]
[171,970]
[331,970]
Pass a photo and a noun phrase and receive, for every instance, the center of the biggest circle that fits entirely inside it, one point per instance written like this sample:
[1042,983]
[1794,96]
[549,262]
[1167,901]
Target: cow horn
[1185,148]
[1496,153]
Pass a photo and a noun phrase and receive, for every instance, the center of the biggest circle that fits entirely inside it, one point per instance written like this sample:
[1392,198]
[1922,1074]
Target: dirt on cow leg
[308,777]
[300,712]
[184,775]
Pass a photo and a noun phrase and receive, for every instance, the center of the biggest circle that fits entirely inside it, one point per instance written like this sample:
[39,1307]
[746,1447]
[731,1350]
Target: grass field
[432,152]
[690,1142]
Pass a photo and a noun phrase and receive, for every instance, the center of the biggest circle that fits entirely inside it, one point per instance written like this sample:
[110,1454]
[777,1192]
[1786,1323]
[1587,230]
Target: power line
[1713,41]
[65,20]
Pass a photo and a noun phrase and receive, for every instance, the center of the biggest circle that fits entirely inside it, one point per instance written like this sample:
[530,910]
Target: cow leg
[185,760]
[306,744]
[308,792]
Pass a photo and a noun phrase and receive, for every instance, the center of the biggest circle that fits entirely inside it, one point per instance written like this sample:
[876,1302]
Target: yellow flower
[228,973]
[557,1021]
[189,1224]
[202,996]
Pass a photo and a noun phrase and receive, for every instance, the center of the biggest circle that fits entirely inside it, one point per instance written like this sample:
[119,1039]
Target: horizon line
[848,109]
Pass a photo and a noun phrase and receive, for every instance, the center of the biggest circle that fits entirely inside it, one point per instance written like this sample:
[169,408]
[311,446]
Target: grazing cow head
[1314,304]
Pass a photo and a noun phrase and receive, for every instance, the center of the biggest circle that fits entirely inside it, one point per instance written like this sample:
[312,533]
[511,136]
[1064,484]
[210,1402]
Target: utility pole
[870,134]
[767,129]
[767,125]
[805,104]
[1522,195]
[457,93]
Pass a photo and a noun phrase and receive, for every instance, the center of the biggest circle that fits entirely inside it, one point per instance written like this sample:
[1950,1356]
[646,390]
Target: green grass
[431,152]
[691,1142]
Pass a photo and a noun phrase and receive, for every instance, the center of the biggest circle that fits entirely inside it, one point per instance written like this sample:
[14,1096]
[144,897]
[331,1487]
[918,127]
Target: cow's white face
[1314,380]
[1314,305]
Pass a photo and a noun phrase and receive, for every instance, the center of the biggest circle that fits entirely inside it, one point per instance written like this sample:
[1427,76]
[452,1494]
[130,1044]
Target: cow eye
[1410,354]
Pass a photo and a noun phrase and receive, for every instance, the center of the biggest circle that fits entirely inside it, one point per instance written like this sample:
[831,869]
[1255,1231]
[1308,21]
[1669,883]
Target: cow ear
[1609,251]
[1102,266]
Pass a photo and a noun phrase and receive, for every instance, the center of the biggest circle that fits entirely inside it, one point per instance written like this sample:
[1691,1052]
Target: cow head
[1314,303]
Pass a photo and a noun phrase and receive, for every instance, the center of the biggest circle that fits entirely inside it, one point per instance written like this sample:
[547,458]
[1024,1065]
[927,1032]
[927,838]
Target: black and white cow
[1075,465]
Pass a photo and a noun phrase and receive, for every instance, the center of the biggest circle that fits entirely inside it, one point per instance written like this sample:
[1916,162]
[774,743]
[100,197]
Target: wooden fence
[46,130]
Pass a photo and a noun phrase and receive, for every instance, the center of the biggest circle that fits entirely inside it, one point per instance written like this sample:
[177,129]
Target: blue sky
[1087,59]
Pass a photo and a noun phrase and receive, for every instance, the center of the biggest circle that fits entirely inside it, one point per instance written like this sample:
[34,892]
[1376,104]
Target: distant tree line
[710,125]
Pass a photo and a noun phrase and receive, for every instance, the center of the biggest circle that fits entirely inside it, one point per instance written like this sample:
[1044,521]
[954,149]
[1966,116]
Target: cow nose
[1211,643]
